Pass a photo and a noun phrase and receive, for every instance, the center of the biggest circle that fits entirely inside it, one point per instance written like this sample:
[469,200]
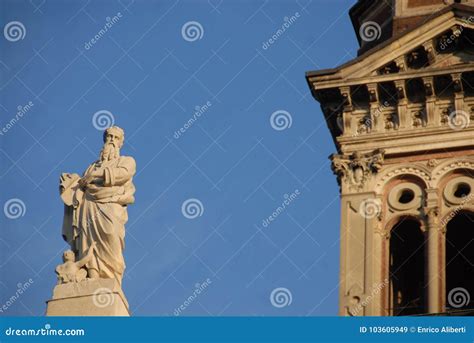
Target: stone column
[359,210]
[354,262]
[380,271]
[433,263]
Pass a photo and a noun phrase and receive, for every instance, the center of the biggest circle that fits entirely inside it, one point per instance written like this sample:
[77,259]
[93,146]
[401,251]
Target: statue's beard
[109,152]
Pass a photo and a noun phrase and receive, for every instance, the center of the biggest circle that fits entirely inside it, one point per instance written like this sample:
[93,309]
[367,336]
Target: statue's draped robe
[99,214]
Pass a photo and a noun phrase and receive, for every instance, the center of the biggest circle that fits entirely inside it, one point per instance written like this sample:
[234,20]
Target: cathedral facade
[401,115]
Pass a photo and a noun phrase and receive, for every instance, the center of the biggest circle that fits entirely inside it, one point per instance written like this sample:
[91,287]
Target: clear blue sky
[231,159]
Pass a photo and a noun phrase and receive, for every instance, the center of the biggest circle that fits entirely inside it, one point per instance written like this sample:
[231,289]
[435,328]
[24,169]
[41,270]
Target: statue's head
[68,256]
[114,134]
[113,141]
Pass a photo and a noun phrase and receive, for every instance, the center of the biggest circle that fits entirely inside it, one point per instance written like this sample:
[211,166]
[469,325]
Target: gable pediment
[430,46]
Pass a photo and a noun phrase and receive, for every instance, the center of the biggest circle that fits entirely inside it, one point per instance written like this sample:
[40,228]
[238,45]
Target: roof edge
[329,71]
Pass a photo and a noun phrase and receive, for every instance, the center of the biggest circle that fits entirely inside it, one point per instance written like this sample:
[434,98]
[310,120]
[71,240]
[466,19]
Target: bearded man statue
[96,208]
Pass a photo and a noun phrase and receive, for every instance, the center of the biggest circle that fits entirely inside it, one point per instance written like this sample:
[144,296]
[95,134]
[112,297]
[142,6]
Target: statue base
[91,297]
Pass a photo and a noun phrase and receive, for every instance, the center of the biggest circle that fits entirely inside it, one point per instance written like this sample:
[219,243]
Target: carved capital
[355,169]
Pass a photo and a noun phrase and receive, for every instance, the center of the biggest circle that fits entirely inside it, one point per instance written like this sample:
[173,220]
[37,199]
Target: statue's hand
[84,181]
[98,173]
[97,176]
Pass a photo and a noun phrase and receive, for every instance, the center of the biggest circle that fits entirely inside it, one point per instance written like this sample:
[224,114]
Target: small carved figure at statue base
[72,271]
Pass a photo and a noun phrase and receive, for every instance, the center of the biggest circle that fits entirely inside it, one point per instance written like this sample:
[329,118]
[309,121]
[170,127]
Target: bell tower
[401,115]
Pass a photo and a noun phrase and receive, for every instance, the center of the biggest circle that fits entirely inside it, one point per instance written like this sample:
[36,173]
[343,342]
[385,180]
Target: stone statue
[96,209]
[72,271]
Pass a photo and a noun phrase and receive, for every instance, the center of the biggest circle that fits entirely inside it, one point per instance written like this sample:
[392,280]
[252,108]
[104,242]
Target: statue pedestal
[91,297]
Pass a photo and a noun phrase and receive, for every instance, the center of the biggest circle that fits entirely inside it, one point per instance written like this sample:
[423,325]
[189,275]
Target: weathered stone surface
[91,297]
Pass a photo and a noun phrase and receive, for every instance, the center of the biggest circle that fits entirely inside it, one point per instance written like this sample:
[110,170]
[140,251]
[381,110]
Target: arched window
[407,268]
[460,262]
